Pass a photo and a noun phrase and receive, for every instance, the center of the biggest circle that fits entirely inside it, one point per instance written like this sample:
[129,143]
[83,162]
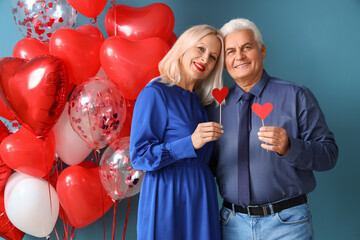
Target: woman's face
[199,60]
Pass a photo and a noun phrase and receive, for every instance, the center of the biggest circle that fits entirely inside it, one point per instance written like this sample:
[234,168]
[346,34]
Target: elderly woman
[171,139]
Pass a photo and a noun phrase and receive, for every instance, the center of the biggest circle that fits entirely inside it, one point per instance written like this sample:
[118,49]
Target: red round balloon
[79,49]
[132,64]
[154,20]
[28,154]
[34,90]
[82,195]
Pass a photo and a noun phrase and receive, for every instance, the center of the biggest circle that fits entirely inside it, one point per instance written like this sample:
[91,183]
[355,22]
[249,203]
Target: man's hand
[276,138]
[206,132]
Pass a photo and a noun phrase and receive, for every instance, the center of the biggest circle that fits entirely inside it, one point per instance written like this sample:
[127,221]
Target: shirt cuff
[294,150]
[182,148]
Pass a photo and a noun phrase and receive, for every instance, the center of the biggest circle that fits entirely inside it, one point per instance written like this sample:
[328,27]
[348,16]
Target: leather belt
[264,210]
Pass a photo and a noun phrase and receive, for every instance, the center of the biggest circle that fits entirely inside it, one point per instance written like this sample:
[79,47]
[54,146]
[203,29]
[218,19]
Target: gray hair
[170,66]
[239,24]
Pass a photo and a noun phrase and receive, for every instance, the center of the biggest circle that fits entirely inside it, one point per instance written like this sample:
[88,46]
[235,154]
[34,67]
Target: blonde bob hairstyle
[170,65]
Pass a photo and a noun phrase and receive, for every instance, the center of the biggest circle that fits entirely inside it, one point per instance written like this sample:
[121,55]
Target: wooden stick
[264,126]
[220,113]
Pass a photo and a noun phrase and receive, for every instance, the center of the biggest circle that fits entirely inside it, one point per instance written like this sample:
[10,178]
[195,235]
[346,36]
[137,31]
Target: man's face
[243,57]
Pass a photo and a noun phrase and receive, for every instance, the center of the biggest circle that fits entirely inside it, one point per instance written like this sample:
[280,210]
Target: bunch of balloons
[73,92]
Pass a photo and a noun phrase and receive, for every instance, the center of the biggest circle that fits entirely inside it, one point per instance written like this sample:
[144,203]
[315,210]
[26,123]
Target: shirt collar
[237,92]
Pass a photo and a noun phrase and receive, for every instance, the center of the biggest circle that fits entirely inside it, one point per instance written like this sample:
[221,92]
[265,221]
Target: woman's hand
[206,132]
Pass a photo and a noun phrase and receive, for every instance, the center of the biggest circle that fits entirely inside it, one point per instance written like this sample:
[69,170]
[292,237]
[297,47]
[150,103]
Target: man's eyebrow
[247,43]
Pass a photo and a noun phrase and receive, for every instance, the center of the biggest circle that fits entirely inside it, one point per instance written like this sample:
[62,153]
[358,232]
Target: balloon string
[115,27]
[126,219]
[72,233]
[103,206]
[114,220]
[47,170]
[65,230]
[57,236]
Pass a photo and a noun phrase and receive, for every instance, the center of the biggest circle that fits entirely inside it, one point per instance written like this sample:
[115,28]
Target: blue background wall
[314,43]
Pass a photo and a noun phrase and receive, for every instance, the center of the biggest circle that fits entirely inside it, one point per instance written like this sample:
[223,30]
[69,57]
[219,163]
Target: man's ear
[263,51]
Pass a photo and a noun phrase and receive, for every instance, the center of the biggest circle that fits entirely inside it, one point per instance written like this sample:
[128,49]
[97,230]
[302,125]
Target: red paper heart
[262,111]
[154,20]
[24,152]
[79,49]
[220,95]
[82,195]
[34,91]
[132,64]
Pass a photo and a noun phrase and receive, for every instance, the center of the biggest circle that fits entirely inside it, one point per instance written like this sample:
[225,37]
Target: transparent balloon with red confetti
[117,175]
[40,18]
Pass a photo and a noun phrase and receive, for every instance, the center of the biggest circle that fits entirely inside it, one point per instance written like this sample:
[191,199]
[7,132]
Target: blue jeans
[290,224]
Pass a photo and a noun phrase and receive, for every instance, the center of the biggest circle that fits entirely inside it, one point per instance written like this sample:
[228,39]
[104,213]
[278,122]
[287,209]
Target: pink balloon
[97,111]
[31,204]
[117,175]
[69,146]
[39,19]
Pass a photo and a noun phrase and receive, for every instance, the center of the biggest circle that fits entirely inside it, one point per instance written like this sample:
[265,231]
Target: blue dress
[178,198]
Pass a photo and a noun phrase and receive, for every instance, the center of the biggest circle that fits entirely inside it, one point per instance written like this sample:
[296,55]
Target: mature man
[264,173]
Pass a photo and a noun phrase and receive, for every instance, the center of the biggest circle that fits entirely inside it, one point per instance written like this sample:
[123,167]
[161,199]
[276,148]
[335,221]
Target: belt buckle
[264,210]
[249,213]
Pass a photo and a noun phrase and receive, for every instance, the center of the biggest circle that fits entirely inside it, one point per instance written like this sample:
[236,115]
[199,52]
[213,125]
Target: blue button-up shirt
[274,177]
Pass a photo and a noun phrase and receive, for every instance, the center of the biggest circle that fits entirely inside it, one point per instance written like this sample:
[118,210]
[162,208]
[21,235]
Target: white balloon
[69,146]
[31,204]
[102,74]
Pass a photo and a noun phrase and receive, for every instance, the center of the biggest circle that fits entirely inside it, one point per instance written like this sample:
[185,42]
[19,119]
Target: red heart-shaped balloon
[5,171]
[79,50]
[82,195]
[262,111]
[171,41]
[28,48]
[88,8]
[132,64]
[34,91]
[5,111]
[220,95]
[154,20]
[28,154]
